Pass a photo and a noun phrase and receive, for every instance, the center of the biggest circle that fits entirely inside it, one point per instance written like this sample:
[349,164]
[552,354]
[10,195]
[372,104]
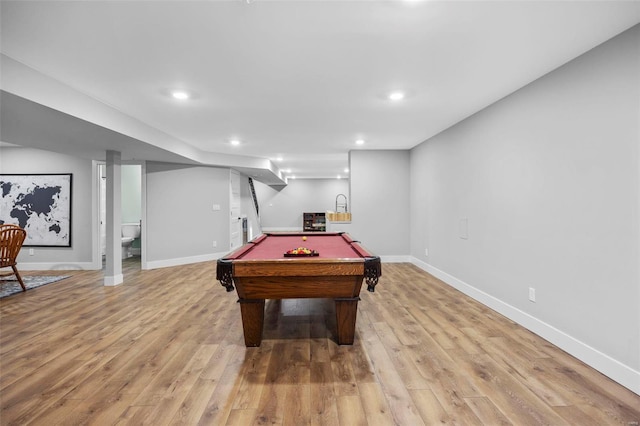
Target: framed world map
[41,205]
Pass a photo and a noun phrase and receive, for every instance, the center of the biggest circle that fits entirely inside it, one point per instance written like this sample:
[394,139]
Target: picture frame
[40,204]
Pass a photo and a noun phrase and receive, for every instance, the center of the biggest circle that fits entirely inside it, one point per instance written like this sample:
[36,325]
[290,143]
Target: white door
[236,218]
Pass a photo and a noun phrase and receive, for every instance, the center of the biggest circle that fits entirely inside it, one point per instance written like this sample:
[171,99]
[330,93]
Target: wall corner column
[113,271]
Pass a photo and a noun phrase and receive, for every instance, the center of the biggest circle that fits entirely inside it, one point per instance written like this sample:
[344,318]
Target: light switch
[216,207]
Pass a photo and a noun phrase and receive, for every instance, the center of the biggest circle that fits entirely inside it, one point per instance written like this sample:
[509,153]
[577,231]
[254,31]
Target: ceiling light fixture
[180,94]
[346,170]
[396,96]
[360,142]
[234,142]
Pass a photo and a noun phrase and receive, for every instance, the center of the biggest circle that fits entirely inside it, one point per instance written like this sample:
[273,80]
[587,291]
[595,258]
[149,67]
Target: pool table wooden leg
[346,310]
[252,320]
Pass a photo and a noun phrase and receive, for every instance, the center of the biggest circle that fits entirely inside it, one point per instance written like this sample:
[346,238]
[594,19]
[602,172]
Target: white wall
[181,224]
[548,179]
[79,255]
[380,200]
[131,193]
[282,209]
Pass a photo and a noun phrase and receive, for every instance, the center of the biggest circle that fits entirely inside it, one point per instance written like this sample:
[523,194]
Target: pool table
[260,270]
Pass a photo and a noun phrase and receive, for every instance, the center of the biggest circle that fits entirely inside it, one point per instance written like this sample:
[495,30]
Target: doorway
[131,205]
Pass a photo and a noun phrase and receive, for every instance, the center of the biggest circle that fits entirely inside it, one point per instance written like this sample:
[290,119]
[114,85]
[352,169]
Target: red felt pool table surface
[328,245]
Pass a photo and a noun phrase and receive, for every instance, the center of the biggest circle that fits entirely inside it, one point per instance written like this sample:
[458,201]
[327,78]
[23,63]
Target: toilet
[130,231]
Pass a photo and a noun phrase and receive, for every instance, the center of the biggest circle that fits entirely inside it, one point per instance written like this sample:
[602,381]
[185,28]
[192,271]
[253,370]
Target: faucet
[341,205]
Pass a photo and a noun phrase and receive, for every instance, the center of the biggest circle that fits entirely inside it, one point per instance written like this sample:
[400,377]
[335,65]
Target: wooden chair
[11,239]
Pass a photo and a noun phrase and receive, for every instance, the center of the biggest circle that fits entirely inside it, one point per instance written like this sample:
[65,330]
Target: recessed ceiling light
[360,142]
[234,142]
[339,177]
[346,170]
[278,158]
[180,94]
[396,96]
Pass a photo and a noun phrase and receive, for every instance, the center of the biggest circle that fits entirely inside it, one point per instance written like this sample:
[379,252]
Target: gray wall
[377,195]
[131,193]
[282,209]
[548,179]
[380,200]
[181,224]
[79,255]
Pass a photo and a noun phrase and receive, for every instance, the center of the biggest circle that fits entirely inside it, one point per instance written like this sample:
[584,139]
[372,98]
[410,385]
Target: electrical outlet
[532,294]
[215,244]
[31,251]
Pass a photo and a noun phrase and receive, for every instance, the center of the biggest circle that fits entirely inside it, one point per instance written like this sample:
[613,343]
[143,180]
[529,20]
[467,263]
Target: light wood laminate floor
[166,347]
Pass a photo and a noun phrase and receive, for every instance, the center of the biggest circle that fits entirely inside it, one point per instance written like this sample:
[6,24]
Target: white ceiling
[302,79]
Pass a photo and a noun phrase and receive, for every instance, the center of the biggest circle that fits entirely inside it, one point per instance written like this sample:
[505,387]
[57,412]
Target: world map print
[40,204]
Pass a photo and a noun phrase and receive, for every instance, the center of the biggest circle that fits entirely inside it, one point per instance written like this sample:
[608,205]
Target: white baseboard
[610,367]
[155,264]
[396,259]
[112,281]
[66,266]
